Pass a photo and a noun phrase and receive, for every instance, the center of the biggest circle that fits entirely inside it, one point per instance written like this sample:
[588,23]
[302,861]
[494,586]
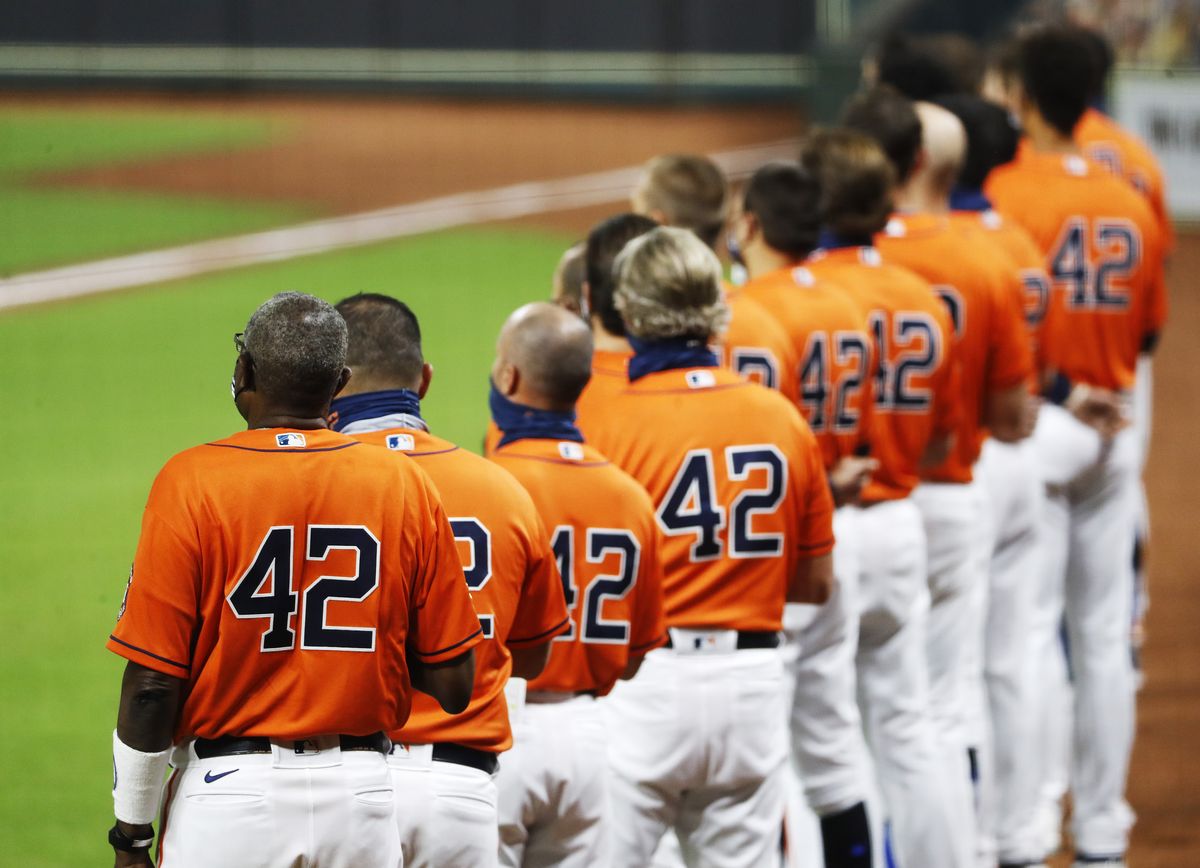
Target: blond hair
[689,190]
[669,285]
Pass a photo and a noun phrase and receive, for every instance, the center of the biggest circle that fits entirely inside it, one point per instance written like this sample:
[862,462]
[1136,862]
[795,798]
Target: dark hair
[929,66]
[786,201]
[604,242]
[855,178]
[385,339]
[1057,73]
[888,117]
[1102,59]
[991,137]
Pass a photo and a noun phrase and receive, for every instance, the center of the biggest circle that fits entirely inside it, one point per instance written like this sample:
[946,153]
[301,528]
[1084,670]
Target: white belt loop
[689,641]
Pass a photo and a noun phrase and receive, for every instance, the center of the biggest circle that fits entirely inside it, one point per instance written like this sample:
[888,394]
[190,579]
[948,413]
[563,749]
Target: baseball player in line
[776,227]
[290,588]
[690,191]
[981,291]
[443,766]
[553,783]
[698,739]
[611,350]
[1103,250]
[916,409]
[1009,780]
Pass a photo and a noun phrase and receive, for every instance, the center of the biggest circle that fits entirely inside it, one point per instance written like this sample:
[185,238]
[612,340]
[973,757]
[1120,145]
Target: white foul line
[322,236]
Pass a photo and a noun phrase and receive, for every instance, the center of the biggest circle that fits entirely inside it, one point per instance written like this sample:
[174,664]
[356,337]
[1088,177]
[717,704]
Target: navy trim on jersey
[550,460]
[185,667]
[647,392]
[293,451]
[653,643]
[813,547]
[478,632]
[434,452]
[553,631]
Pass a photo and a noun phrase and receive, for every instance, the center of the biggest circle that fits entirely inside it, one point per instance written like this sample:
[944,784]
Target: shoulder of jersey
[431,451]
[548,451]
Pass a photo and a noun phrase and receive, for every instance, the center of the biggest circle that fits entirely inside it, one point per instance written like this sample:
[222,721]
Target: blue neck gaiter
[372,405]
[969,199]
[520,422]
[829,240]
[650,357]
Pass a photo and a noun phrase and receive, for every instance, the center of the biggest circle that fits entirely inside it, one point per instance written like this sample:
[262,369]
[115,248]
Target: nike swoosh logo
[209,777]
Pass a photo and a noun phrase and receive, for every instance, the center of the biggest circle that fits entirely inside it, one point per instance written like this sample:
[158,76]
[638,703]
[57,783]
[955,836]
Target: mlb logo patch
[803,277]
[401,442]
[570,451]
[290,441]
[701,379]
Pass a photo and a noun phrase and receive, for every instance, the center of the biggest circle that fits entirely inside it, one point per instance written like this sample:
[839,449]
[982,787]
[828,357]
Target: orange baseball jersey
[604,536]
[1124,154]
[285,575]
[1103,253]
[982,292]
[1023,254]
[831,338]
[608,377]
[755,346]
[916,373]
[739,488]
[510,572]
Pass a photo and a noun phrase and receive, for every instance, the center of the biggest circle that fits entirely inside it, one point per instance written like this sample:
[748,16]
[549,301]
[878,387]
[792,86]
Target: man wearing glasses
[291,586]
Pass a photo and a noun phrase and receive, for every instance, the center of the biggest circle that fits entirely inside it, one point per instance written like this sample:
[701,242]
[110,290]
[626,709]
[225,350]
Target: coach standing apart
[291,586]
[698,740]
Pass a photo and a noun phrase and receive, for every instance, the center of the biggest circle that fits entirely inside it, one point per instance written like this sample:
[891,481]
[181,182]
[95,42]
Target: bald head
[944,146]
[543,357]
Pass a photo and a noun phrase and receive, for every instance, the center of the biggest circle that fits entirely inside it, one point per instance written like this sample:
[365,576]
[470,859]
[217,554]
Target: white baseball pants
[1010,772]
[553,793]
[952,515]
[1090,516]
[893,688]
[324,807]
[446,812]
[698,744]
[826,727]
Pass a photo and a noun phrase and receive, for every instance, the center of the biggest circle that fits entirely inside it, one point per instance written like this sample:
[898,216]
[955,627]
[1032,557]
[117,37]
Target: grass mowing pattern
[100,393]
[44,226]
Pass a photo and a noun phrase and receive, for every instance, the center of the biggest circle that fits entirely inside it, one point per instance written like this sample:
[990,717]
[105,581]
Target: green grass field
[99,393]
[45,226]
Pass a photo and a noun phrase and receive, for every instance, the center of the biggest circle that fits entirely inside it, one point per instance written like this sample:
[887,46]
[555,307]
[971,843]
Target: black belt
[747,639]
[232,745]
[449,752]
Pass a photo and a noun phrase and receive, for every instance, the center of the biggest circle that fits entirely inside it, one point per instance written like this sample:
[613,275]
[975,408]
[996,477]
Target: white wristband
[137,782]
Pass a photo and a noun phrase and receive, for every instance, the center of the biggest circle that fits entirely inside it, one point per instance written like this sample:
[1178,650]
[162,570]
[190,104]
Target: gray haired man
[290,588]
